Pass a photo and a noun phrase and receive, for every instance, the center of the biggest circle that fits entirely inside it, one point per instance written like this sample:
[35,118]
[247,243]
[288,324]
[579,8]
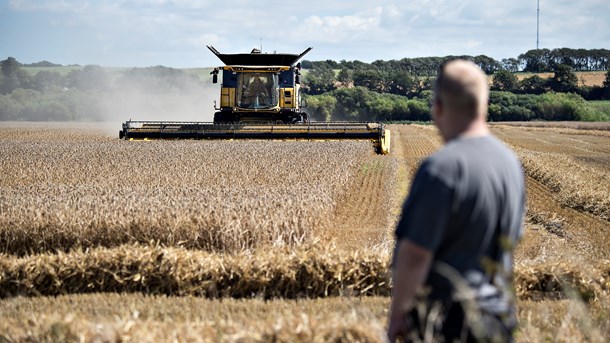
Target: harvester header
[260,98]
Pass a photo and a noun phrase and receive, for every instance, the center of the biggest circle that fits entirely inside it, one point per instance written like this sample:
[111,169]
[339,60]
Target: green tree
[536,61]
[533,85]
[46,80]
[12,76]
[487,64]
[425,84]
[401,83]
[352,103]
[371,79]
[91,77]
[319,80]
[504,80]
[564,80]
[10,67]
[605,89]
[346,76]
[321,107]
[510,64]
[607,80]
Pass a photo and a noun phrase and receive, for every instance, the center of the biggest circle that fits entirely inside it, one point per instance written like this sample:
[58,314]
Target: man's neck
[474,129]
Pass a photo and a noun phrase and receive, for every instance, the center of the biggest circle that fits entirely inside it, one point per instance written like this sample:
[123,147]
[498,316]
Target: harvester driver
[256,93]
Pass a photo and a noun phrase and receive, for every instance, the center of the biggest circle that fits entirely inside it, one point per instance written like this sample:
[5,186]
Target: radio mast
[538,25]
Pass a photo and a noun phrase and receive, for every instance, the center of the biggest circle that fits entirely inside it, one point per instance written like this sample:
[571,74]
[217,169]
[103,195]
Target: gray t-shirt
[466,206]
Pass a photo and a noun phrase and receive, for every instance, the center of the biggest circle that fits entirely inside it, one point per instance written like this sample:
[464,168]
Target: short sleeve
[426,212]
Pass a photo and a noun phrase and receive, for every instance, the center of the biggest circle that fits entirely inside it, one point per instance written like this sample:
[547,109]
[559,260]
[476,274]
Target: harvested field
[121,317]
[127,317]
[362,215]
[578,125]
[575,167]
[173,232]
[585,78]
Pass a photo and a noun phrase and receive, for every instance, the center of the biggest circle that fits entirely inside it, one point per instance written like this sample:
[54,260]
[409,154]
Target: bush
[559,106]
[504,81]
[321,107]
[361,104]
[509,113]
[505,106]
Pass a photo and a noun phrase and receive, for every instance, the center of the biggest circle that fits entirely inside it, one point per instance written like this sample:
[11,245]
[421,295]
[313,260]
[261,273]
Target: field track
[581,231]
[366,213]
[361,216]
[410,145]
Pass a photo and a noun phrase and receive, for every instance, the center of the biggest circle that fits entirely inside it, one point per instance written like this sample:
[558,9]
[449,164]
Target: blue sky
[174,33]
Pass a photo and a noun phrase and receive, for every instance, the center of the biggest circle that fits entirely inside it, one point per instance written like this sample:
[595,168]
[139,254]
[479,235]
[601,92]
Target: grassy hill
[202,73]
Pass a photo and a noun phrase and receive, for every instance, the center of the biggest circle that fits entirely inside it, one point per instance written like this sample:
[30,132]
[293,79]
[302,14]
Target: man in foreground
[459,225]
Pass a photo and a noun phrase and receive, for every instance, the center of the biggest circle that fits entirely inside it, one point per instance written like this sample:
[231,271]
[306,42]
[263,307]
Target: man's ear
[437,110]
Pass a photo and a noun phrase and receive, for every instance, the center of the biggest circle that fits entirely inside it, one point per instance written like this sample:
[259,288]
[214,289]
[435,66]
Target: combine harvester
[259,99]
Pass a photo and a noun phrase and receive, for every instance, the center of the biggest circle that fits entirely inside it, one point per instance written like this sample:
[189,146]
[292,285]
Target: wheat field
[109,240]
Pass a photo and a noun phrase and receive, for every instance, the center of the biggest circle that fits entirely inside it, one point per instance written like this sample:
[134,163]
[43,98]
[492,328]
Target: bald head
[462,89]
[461,93]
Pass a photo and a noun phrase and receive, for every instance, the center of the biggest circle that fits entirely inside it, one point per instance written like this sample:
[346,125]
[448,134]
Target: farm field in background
[265,240]
[585,78]
[581,125]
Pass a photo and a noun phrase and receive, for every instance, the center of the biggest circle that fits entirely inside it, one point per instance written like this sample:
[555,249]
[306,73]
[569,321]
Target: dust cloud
[136,104]
[140,105]
[156,94]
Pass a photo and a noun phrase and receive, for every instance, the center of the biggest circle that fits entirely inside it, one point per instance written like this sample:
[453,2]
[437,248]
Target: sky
[174,33]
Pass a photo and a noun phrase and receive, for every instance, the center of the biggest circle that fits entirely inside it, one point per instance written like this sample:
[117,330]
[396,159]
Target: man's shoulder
[471,147]
[446,158]
[463,154]
[441,166]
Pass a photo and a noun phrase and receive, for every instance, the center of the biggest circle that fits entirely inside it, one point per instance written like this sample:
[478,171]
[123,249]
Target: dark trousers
[448,323]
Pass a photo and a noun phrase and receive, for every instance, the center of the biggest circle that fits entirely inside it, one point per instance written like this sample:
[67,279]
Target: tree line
[400,82]
[382,90]
[362,104]
[401,90]
[157,79]
[81,93]
[534,61]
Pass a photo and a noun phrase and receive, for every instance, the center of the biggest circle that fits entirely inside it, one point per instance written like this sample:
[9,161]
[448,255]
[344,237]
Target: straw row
[155,270]
[577,185]
[305,273]
[134,318]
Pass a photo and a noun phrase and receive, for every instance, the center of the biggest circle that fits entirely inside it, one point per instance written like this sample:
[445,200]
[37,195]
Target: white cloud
[51,6]
[175,32]
[339,29]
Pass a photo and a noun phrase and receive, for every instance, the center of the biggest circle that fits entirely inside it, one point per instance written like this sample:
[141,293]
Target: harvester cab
[259,87]
[259,99]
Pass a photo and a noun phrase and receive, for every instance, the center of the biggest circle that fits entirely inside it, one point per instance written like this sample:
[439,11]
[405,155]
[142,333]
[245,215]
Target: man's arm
[412,264]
